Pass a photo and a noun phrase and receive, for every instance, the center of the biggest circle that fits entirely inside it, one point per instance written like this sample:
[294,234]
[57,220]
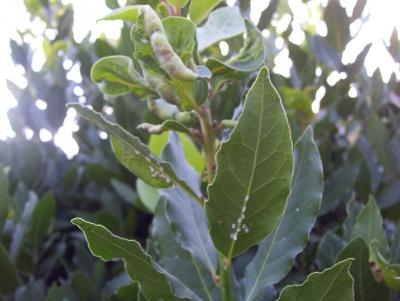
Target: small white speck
[233,226]
[297,209]
[246,199]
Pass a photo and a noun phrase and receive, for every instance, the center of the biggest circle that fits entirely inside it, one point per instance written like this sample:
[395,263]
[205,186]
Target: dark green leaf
[329,247]
[138,263]
[186,216]
[177,260]
[365,286]
[334,283]
[254,171]
[338,25]
[134,155]
[8,277]
[4,198]
[369,226]
[270,264]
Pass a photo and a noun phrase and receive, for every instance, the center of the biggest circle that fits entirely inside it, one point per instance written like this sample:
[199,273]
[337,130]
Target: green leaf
[5,199]
[369,226]
[379,140]
[365,286]
[223,23]
[8,277]
[41,220]
[116,75]
[178,261]
[385,273]
[329,247]
[334,283]
[138,264]
[134,155]
[127,13]
[157,144]
[55,293]
[199,9]
[186,216]
[270,264]
[148,195]
[249,59]
[338,24]
[352,211]
[181,34]
[254,172]
[178,3]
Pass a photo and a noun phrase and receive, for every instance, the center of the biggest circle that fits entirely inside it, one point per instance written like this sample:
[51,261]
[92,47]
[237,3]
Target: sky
[383,17]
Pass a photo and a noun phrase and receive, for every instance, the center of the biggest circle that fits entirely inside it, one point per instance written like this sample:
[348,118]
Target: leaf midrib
[254,165]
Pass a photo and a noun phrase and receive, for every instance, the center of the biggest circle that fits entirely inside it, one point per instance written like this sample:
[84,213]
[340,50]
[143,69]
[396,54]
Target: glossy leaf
[134,155]
[365,286]
[8,277]
[116,75]
[249,59]
[334,283]
[385,273]
[369,226]
[270,264]
[199,9]
[223,23]
[254,171]
[186,216]
[139,265]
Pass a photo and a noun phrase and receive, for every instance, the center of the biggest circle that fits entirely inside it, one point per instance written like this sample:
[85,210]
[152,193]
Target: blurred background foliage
[43,257]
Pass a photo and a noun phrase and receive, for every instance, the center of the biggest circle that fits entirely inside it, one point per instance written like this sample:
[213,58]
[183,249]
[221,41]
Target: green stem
[225,268]
[208,141]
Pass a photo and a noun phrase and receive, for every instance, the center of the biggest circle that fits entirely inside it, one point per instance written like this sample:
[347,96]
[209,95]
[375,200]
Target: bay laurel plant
[259,191]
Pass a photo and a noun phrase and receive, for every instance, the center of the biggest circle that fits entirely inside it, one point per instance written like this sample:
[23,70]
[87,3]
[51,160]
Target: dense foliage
[251,194]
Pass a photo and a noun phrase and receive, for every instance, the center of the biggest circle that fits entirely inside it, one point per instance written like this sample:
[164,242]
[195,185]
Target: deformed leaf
[116,75]
[335,283]
[223,23]
[139,265]
[135,155]
[254,172]
[199,9]
[384,272]
[365,286]
[270,264]
[8,277]
[249,59]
